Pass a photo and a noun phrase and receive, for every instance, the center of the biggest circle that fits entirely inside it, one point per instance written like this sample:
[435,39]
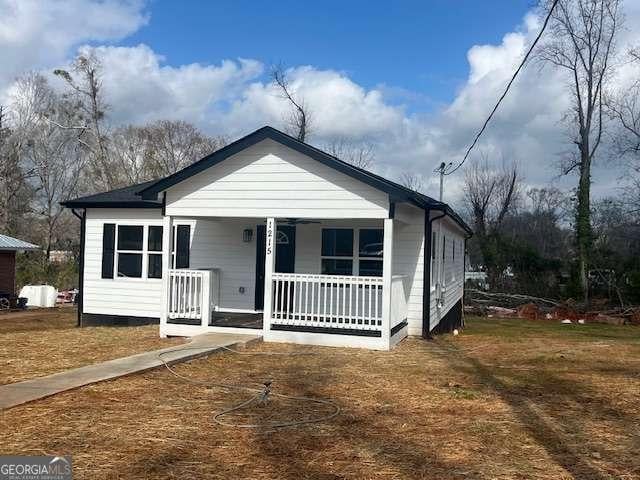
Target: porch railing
[193,294]
[398,301]
[332,301]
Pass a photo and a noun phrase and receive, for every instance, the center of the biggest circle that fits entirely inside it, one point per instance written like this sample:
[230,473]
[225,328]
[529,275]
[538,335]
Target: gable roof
[10,243]
[126,197]
[397,192]
[145,195]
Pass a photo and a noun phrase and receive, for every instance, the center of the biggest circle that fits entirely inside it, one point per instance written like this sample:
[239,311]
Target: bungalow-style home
[8,248]
[272,236]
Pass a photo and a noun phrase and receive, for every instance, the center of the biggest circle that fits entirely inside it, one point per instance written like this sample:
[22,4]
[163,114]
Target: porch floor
[237,320]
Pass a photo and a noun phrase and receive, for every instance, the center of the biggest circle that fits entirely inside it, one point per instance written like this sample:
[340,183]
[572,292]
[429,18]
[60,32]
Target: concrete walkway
[201,345]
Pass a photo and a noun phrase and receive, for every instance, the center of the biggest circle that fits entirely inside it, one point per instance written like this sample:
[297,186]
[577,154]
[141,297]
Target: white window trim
[144,252]
[355,255]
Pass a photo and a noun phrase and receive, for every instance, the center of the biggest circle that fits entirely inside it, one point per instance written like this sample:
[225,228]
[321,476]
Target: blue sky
[418,46]
[412,80]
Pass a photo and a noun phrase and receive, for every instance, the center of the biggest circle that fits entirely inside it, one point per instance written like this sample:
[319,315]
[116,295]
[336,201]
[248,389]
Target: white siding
[452,271]
[118,296]
[271,180]
[218,243]
[408,254]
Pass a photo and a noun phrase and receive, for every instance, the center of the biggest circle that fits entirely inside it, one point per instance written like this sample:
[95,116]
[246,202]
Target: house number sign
[269,237]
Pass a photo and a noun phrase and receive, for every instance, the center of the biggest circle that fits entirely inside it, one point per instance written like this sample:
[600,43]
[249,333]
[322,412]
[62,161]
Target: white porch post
[167,238]
[269,268]
[387,274]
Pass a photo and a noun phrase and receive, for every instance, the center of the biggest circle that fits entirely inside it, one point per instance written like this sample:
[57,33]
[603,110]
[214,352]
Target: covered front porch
[285,279]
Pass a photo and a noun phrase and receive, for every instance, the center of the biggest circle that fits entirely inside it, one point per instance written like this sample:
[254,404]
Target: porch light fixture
[247,235]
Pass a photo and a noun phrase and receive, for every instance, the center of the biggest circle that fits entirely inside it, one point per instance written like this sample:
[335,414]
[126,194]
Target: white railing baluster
[336,301]
[187,297]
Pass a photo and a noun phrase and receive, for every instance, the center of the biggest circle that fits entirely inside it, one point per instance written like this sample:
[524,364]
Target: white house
[270,235]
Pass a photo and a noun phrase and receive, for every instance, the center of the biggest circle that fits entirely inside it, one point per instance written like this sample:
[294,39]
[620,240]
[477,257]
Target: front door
[285,256]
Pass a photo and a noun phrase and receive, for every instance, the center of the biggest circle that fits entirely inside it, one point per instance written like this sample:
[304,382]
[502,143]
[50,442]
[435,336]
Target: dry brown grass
[41,342]
[506,399]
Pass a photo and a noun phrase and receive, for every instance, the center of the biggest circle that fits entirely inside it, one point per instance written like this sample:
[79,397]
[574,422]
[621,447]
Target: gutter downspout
[426,279]
[83,226]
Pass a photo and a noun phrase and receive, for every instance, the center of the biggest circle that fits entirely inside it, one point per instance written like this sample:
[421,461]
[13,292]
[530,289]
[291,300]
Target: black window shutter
[183,236]
[108,249]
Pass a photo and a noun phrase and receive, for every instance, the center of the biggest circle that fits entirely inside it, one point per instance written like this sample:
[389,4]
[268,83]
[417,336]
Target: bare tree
[412,181]
[51,154]
[298,122]
[583,34]
[624,109]
[129,152]
[359,155]
[489,196]
[172,145]
[85,85]
[15,192]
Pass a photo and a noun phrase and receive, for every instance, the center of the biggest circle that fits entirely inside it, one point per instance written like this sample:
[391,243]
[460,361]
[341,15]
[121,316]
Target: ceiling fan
[299,221]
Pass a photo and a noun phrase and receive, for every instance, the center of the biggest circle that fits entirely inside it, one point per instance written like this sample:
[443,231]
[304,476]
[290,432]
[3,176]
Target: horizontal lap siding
[453,275]
[269,179]
[218,244]
[408,254]
[117,296]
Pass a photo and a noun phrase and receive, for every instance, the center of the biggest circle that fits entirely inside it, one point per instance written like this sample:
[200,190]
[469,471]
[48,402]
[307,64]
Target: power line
[506,90]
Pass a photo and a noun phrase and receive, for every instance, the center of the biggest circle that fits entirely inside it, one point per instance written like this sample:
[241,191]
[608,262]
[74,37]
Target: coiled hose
[261,395]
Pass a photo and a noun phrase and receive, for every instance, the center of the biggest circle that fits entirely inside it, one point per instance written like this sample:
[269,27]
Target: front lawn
[505,399]
[41,342]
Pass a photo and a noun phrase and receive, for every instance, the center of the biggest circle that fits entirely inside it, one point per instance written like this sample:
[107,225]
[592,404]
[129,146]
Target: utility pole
[440,170]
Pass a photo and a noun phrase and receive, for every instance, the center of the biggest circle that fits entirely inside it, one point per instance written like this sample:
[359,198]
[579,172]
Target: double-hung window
[337,251]
[340,258]
[154,247]
[129,251]
[370,252]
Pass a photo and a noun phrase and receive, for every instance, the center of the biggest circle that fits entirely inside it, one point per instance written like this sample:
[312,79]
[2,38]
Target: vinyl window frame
[355,250]
[144,252]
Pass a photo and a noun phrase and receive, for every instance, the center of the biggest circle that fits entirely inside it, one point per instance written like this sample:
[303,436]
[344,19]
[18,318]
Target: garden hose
[261,395]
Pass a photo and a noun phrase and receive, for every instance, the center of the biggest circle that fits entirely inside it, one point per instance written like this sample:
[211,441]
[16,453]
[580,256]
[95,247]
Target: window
[154,244]
[129,250]
[180,257]
[370,252]
[130,237]
[337,243]
[108,249]
[339,258]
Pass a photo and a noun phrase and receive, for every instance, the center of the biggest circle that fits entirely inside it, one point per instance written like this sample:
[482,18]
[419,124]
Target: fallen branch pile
[500,304]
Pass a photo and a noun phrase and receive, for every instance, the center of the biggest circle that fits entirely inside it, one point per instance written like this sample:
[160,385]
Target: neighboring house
[8,248]
[270,235]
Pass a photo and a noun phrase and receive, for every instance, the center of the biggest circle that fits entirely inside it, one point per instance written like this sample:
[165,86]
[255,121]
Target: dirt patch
[41,342]
[505,399]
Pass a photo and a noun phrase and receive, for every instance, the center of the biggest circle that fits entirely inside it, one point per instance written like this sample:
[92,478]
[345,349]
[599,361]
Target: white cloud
[38,34]
[139,87]
[234,97]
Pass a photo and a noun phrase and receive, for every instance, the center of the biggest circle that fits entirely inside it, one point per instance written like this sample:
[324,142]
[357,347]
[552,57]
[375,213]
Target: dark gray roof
[121,198]
[10,243]
[145,195]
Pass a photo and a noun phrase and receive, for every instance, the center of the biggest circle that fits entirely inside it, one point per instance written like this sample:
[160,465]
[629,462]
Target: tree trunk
[583,224]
